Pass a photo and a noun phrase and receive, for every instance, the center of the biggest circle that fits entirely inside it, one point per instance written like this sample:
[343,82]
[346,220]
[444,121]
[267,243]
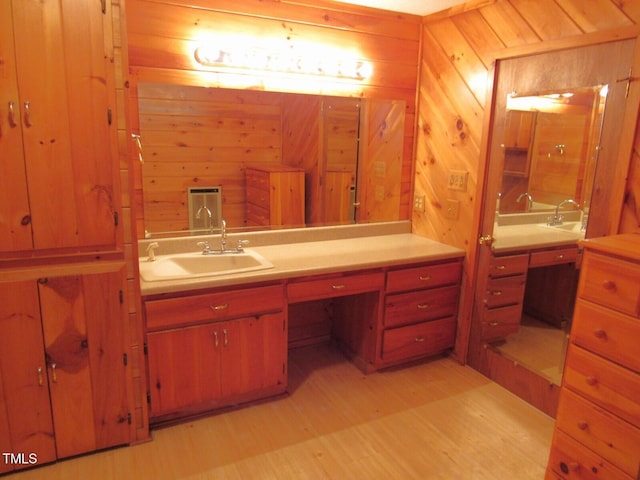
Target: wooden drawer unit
[427,276]
[505,291]
[275,195]
[419,340]
[611,438]
[504,296]
[597,433]
[411,307]
[609,385]
[335,286]
[508,265]
[611,282]
[559,256]
[610,334]
[194,309]
[420,310]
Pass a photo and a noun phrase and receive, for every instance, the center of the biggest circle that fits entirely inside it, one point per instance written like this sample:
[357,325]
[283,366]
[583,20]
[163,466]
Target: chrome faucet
[151,251]
[529,200]
[209,215]
[556,218]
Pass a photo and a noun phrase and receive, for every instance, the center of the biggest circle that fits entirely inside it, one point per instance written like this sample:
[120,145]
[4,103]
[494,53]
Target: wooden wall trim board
[453,110]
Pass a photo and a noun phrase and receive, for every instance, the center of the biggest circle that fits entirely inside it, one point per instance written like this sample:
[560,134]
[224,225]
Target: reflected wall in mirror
[349,150]
[551,148]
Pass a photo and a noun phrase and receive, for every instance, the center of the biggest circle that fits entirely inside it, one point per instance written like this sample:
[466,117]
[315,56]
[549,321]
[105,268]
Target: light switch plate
[452,209]
[458,180]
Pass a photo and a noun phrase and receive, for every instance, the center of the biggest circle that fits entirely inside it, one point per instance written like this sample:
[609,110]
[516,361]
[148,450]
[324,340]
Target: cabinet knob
[582,425]
[600,333]
[609,285]
[591,380]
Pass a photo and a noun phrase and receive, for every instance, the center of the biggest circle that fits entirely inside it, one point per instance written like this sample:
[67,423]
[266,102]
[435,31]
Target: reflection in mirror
[269,156]
[551,148]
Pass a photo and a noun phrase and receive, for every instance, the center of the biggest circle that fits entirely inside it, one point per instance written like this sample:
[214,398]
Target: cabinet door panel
[67,352]
[25,413]
[14,204]
[254,354]
[184,367]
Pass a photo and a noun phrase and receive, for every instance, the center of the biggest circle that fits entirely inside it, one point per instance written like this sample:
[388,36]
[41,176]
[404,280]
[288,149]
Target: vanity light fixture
[278,62]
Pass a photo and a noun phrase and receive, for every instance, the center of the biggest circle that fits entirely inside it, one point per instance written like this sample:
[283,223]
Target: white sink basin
[196,265]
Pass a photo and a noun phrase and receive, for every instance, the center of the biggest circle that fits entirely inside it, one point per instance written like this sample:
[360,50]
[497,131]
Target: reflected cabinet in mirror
[264,160]
[551,144]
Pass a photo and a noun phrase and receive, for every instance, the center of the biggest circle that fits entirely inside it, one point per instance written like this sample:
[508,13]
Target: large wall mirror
[551,145]
[329,160]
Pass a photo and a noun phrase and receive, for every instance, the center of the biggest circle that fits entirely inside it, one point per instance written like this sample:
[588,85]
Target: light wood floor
[434,420]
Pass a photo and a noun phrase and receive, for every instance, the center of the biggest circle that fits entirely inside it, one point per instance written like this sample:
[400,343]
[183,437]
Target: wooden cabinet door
[25,415]
[184,367]
[61,107]
[254,353]
[83,325]
[15,232]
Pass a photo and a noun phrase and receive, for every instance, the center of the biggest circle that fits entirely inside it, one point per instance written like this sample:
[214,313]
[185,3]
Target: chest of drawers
[597,431]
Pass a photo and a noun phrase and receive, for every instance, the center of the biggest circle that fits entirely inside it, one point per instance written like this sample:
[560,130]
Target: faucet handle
[206,248]
[151,251]
[240,245]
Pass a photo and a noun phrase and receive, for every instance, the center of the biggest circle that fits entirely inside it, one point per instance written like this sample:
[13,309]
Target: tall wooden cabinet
[597,431]
[275,196]
[57,189]
[63,364]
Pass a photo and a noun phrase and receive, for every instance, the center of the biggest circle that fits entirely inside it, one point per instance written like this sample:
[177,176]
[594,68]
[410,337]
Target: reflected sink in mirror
[196,265]
[573,227]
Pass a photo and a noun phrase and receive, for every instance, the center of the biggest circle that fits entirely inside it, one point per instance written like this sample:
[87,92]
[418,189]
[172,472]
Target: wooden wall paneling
[507,23]
[547,18]
[596,16]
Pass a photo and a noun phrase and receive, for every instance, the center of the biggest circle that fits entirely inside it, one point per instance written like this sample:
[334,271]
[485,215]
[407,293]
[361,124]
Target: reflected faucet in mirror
[209,216]
[529,200]
[556,218]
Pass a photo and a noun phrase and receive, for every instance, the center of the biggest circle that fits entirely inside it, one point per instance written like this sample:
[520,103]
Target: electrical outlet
[452,209]
[458,180]
[418,203]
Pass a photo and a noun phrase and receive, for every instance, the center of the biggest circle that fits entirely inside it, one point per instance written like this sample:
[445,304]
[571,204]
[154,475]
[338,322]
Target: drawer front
[553,257]
[498,323]
[422,339]
[509,265]
[194,309]
[335,287]
[427,276]
[609,385]
[505,291]
[607,333]
[404,308]
[610,437]
[610,282]
[572,460]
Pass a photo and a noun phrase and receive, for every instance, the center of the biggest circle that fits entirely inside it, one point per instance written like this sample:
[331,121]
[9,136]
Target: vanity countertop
[321,257]
[518,237]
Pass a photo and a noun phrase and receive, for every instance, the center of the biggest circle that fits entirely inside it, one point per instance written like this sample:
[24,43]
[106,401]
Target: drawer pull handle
[54,374]
[600,333]
[494,324]
[338,287]
[226,337]
[559,257]
[216,308]
[609,285]
[582,425]
[12,115]
[496,293]
[215,339]
[425,278]
[423,306]
[500,267]
[419,339]
[40,378]
[592,381]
